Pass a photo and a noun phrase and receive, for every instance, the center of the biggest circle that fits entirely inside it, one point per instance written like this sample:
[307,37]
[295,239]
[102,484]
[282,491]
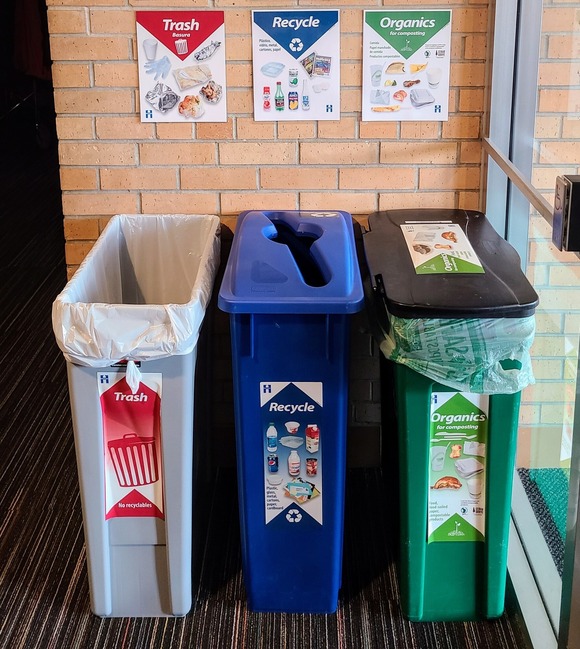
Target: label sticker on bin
[457,466]
[292,417]
[440,248]
[132,445]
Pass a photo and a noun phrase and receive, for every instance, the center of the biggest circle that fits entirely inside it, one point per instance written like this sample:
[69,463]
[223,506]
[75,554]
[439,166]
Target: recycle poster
[296,65]
[182,66]
[457,466]
[406,60]
[293,431]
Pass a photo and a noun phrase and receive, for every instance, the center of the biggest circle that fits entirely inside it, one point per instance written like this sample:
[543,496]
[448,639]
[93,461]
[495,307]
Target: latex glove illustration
[160,68]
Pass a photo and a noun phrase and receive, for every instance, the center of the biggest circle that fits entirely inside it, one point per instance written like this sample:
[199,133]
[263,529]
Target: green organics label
[457,466]
[407,31]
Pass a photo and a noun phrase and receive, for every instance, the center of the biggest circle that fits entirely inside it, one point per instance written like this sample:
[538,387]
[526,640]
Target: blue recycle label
[296,31]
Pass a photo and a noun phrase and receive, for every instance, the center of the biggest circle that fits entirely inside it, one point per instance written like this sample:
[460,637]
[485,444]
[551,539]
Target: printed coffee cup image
[434,77]
[437,457]
[376,72]
[150,47]
[474,486]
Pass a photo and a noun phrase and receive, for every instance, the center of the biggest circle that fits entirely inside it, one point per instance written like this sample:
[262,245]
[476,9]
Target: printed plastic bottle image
[279,97]
[272,438]
[305,96]
[266,98]
[294,463]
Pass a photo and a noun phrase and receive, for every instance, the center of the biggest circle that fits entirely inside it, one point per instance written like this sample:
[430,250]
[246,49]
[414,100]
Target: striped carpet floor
[44,592]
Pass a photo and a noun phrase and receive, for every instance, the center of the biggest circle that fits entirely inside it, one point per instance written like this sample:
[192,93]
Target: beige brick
[557,19]
[239,75]
[350,74]
[475,47]
[548,368]
[571,127]
[563,46]
[258,153]
[108,21]
[470,152]
[529,414]
[381,178]
[350,101]
[469,200]
[548,323]
[168,3]
[76,251]
[165,153]
[69,21]
[467,74]
[81,229]
[296,130]
[298,178]
[353,202]
[557,73]
[346,153]
[545,178]
[556,299]
[83,3]
[248,129]
[93,101]
[378,130]
[219,178]
[345,129]
[572,323]
[351,20]
[96,153]
[351,47]
[559,152]
[77,178]
[568,275]
[116,75]
[123,128]
[70,75]
[234,203]
[172,131]
[558,101]
[548,126]
[471,100]
[216,131]
[239,47]
[139,178]
[469,20]
[179,203]
[420,130]
[96,203]
[240,102]
[403,200]
[419,152]
[449,178]
[238,21]
[89,48]
[74,128]
[461,126]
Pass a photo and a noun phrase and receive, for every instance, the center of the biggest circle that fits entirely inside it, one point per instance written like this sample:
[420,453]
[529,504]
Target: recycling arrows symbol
[293,516]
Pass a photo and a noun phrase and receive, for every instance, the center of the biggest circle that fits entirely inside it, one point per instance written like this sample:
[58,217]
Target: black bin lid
[500,291]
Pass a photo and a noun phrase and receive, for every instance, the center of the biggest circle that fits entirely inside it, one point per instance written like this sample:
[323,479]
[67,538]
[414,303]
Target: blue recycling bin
[291,281]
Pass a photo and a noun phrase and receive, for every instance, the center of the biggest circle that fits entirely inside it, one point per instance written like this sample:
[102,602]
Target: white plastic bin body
[140,297]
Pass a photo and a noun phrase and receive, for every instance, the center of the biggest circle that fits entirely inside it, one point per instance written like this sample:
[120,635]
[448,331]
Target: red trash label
[132,445]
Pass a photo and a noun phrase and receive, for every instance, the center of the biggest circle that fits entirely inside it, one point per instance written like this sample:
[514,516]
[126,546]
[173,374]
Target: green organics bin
[456,316]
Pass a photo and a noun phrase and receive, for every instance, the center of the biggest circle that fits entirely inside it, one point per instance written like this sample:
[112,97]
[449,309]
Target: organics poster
[296,65]
[406,56]
[132,445]
[182,66]
[457,466]
[440,248]
[293,436]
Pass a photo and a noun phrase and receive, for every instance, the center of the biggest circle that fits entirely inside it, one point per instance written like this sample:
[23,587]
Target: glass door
[536,81]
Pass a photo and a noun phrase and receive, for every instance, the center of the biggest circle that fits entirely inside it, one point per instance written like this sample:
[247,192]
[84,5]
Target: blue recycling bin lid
[292,262]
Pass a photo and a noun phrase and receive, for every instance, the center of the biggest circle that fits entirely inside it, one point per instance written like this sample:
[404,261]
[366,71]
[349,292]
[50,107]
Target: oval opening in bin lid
[445,263]
[292,261]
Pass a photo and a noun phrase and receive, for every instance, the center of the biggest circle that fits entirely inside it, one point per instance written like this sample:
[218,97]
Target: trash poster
[293,436]
[440,248]
[182,66]
[132,445]
[457,466]
[296,65]
[406,60]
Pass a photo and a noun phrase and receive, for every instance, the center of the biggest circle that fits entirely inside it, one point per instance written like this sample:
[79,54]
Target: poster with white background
[296,65]
[406,60]
[182,66]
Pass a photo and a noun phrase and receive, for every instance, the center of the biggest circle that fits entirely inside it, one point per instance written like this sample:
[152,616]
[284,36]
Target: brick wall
[111,163]
[547,412]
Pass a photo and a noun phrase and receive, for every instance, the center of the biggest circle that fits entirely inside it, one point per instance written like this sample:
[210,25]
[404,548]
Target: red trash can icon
[134,459]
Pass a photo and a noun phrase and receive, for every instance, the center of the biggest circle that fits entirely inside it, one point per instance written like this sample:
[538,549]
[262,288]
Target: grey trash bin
[128,324]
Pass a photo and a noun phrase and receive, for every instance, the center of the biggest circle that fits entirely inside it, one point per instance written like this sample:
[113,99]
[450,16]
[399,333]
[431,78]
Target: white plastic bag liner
[142,291]
[486,356]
